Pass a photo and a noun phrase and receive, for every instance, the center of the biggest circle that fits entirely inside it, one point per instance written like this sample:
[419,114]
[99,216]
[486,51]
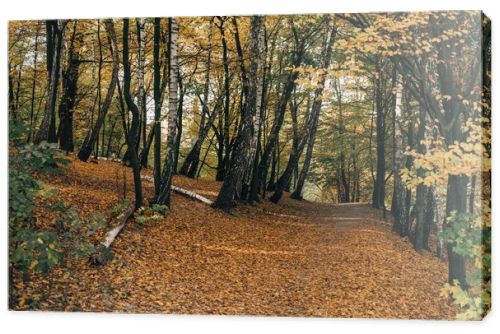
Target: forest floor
[291,259]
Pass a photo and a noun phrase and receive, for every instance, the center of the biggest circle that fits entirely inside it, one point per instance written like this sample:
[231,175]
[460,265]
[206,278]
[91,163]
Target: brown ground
[291,259]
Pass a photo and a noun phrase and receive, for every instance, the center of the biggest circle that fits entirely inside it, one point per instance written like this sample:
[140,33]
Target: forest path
[296,258]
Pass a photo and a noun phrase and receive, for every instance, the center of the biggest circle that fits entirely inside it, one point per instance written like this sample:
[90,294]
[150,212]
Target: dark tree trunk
[68,99]
[398,203]
[379,187]
[223,150]
[12,99]
[279,115]
[190,166]
[132,107]
[110,138]
[33,84]
[55,36]
[419,239]
[314,117]
[157,95]
[283,182]
[238,162]
[180,112]
[429,214]
[92,136]
[271,185]
[141,96]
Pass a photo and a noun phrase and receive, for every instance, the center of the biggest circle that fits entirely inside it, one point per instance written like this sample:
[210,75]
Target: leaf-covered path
[291,259]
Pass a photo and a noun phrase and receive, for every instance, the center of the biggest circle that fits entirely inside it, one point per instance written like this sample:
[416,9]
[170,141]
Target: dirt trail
[291,259]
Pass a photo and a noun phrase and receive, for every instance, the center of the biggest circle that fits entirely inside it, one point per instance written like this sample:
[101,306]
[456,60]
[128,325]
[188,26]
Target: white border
[39,322]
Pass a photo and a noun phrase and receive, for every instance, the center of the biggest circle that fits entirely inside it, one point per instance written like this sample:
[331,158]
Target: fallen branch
[110,159]
[103,253]
[183,191]
[191,194]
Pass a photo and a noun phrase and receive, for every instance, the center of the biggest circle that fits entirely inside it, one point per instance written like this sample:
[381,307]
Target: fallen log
[191,194]
[182,191]
[103,253]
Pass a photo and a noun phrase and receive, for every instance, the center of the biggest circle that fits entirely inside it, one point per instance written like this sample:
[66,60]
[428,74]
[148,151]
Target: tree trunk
[68,99]
[141,96]
[164,193]
[33,84]
[239,159]
[92,136]
[192,161]
[279,115]
[314,117]
[379,187]
[157,94]
[283,182]
[132,107]
[55,36]
[224,147]
[399,222]
[420,241]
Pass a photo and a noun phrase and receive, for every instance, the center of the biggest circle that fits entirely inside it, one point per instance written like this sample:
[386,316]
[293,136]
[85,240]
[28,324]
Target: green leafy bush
[471,238]
[118,208]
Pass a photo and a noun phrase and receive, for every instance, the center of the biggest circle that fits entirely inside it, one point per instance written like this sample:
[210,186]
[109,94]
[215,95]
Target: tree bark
[399,221]
[55,36]
[379,187]
[239,157]
[92,136]
[422,225]
[68,99]
[141,96]
[192,161]
[164,193]
[132,107]
[157,95]
[33,84]
[314,117]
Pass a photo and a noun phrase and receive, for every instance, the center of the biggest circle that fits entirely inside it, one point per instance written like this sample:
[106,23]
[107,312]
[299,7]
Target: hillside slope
[291,259]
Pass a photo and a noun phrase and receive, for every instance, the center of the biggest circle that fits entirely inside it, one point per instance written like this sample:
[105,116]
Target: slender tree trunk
[298,146]
[456,202]
[379,187]
[12,100]
[399,188]
[314,117]
[92,136]
[419,242]
[192,161]
[55,36]
[33,84]
[110,138]
[141,97]
[132,107]
[224,143]
[163,196]
[279,115]
[182,92]
[157,94]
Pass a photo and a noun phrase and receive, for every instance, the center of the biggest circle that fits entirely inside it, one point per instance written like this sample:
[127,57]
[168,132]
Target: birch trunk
[163,196]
